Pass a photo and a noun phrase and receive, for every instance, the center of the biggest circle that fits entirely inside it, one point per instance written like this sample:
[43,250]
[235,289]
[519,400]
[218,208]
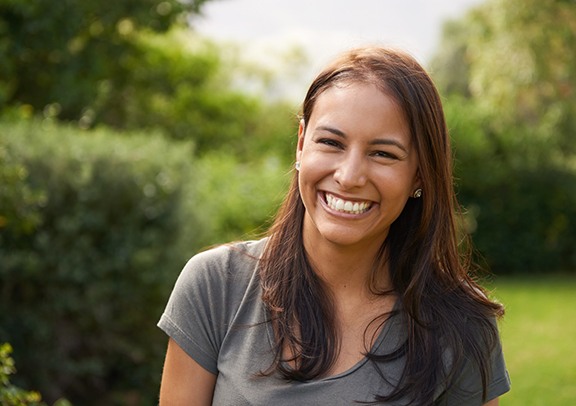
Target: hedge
[520,194]
[82,289]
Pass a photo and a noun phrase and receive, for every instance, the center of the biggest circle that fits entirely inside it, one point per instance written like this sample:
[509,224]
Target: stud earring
[297,165]
[417,193]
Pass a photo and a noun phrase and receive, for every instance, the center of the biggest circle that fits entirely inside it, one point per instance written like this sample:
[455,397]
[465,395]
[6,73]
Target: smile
[347,206]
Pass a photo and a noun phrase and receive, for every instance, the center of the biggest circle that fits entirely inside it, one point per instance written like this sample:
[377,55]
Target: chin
[347,238]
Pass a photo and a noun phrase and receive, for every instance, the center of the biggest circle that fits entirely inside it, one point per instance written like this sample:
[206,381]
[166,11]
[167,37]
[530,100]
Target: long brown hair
[445,308]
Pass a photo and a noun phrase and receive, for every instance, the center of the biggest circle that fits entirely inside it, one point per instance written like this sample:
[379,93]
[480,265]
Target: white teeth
[346,206]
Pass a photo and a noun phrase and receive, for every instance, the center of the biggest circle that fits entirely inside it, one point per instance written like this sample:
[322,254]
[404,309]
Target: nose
[351,171]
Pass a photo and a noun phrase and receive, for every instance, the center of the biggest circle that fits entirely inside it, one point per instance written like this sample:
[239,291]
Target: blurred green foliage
[184,86]
[11,395]
[132,65]
[239,198]
[80,290]
[62,53]
[510,85]
[19,202]
[522,216]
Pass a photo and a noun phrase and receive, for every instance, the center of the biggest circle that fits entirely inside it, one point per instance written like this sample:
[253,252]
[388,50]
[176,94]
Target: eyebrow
[377,141]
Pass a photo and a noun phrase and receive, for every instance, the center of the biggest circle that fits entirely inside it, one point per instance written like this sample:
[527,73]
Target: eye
[330,142]
[384,154]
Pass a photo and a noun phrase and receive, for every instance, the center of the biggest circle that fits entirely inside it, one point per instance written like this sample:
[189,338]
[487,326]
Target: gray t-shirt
[215,313]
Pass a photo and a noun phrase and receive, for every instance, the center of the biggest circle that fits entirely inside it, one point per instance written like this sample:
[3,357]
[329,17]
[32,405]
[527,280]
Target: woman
[361,292]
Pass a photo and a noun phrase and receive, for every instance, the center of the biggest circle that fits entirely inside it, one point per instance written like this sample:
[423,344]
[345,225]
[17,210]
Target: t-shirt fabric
[215,313]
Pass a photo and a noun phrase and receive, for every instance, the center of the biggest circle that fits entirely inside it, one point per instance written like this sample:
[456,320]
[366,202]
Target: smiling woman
[359,292]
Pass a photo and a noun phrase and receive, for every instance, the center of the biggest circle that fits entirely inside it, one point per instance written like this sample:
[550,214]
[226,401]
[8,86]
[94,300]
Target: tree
[509,78]
[58,55]
[135,65]
[512,58]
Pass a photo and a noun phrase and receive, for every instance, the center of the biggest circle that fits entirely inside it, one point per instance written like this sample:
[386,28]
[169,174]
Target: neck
[346,270]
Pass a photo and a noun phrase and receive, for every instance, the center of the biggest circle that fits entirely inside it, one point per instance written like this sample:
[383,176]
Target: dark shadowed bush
[11,395]
[82,288]
[525,221]
[520,194]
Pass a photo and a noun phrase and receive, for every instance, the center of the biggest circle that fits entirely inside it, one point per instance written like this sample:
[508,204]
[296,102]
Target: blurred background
[134,134]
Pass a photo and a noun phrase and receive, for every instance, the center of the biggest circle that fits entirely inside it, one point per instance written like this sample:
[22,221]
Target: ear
[300,144]
[417,180]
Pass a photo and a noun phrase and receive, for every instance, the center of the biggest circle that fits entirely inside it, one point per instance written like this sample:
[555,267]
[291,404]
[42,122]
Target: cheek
[311,178]
[397,186]
[314,166]
[306,179]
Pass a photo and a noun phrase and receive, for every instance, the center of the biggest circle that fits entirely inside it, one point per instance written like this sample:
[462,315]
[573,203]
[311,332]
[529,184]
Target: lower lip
[324,204]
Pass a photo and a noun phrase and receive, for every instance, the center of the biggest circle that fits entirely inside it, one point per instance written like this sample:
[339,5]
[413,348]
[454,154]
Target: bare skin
[184,381]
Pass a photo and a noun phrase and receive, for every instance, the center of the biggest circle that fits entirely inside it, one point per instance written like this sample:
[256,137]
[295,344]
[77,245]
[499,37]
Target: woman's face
[358,167]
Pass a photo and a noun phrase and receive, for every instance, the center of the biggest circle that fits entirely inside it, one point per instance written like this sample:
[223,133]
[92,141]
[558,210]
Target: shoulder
[219,276]
[226,262]
[467,385]
[207,296]
[480,360]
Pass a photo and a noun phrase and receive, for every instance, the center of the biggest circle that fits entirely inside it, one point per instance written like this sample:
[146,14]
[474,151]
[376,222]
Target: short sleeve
[196,313]
[467,389]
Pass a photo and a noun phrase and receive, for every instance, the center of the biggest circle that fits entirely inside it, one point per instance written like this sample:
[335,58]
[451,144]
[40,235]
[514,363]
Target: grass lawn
[539,338]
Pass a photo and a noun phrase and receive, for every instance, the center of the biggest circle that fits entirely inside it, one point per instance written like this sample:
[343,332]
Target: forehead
[355,104]
[355,84]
